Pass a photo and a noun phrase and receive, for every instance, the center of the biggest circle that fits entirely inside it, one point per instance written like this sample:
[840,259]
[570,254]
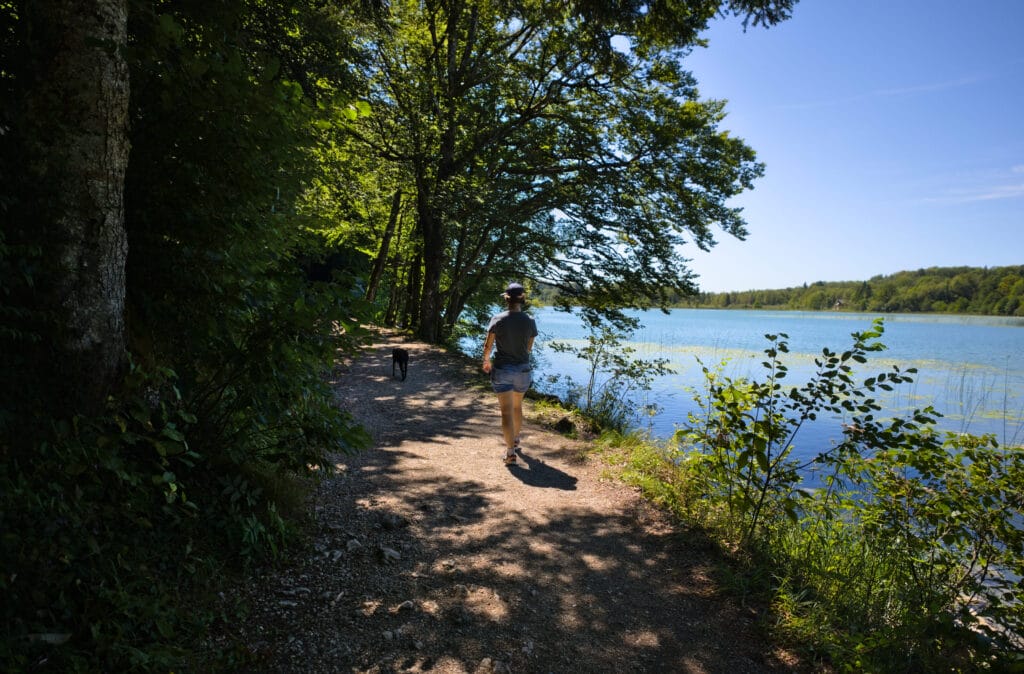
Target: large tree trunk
[75,119]
[428,326]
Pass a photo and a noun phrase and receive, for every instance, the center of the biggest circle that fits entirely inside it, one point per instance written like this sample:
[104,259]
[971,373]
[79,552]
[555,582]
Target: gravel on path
[431,555]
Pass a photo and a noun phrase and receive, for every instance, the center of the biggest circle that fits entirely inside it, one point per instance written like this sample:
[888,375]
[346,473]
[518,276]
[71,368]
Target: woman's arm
[488,344]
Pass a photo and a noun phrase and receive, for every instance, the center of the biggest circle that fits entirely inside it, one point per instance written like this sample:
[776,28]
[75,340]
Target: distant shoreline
[864,312]
[958,291]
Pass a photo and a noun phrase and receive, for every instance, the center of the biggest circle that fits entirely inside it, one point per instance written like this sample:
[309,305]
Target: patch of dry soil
[431,555]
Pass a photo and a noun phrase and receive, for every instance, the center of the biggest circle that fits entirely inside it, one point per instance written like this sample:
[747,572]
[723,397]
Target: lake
[970,368]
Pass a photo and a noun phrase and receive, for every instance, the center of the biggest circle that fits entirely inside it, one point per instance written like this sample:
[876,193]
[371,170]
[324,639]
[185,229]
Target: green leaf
[165,627]
[169,431]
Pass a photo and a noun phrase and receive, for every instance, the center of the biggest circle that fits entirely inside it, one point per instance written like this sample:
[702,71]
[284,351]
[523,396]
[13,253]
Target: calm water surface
[971,369]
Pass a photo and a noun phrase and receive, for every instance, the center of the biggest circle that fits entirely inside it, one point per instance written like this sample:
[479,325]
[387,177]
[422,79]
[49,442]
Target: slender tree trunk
[391,313]
[412,306]
[75,113]
[429,329]
[469,275]
[428,326]
[396,289]
[385,245]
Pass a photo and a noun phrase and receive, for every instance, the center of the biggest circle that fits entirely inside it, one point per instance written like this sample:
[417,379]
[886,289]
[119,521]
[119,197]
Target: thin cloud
[989,193]
[889,93]
[925,88]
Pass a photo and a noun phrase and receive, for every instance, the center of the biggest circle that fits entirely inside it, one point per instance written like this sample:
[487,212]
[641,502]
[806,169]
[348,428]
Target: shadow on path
[396,411]
[525,568]
[539,474]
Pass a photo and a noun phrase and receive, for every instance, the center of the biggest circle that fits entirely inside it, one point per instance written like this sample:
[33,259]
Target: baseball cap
[514,290]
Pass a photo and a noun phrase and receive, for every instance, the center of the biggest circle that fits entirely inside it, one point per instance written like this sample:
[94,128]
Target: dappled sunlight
[430,607]
[510,570]
[542,545]
[596,563]
[371,606]
[487,603]
[642,639]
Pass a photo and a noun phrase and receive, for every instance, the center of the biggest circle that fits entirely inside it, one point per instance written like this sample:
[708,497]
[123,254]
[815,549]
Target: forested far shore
[987,291]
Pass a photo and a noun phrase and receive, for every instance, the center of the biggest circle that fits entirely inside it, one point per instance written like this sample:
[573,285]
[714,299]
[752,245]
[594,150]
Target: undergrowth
[115,531]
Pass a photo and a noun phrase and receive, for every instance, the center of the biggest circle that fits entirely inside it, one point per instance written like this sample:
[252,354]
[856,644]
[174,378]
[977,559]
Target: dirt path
[431,555]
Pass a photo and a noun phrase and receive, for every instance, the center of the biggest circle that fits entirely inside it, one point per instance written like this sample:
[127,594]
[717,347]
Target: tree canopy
[561,143]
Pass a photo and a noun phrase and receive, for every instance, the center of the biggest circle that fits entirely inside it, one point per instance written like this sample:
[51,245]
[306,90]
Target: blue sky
[892,133]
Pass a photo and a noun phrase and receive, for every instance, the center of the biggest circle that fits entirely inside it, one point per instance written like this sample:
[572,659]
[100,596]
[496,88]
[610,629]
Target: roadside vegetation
[906,553]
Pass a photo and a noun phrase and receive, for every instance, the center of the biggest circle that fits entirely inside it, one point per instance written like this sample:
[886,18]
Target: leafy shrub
[92,533]
[741,442]
[907,559]
[107,521]
[113,523]
[945,519]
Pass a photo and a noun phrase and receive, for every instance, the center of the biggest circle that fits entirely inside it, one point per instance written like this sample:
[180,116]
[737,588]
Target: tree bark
[385,245]
[412,301]
[75,122]
[431,229]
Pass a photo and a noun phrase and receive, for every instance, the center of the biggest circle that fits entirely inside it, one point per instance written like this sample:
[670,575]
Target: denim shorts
[511,378]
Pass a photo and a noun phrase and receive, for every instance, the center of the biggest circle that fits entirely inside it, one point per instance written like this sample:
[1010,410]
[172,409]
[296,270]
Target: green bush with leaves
[942,514]
[908,558]
[218,284]
[107,522]
[742,439]
[91,519]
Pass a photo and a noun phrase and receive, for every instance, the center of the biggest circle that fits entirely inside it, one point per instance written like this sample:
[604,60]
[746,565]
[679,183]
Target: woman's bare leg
[508,403]
[517,417]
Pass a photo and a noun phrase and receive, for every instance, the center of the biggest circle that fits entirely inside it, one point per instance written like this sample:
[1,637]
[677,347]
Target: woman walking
[513,332]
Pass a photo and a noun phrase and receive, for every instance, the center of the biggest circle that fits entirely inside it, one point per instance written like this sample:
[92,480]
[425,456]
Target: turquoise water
[971,369]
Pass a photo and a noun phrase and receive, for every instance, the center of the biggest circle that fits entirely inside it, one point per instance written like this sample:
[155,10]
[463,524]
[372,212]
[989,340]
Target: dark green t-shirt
[512,331]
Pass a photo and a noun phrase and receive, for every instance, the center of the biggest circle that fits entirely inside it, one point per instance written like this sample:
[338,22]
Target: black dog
[399,357]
